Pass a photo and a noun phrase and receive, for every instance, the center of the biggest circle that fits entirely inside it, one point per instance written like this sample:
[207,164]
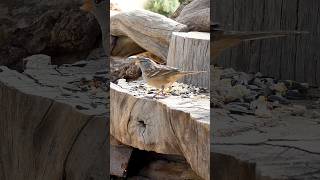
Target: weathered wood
[124,47]
[295,58]
[171,125]
[149,30]
[56,124]
[196,15]
[263,137]
[194,56]
[177,12]
[120,155]
[248,147]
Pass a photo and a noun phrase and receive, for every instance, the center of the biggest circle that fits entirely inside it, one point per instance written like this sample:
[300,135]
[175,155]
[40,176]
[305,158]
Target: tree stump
[171,125]
[58,122]
[191,52]
[149,30]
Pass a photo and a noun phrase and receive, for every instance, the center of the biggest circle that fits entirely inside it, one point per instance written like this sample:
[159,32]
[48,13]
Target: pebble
[234,87]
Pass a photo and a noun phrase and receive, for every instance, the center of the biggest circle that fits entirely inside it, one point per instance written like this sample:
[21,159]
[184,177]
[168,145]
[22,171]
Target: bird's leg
[162,89]
[157,93]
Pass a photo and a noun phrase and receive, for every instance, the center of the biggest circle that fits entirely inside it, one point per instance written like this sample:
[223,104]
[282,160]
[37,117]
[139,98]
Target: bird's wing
[245,36]
[161,70]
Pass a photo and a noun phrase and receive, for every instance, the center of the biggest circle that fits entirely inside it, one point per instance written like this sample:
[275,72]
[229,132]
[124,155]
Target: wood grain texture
[149,30]
[191,52]
[293,57]
[48,129]
[171,125]
[252,148]
[124,47]
[196,15]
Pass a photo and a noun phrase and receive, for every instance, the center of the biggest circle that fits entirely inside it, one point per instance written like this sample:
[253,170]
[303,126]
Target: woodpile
[137,31]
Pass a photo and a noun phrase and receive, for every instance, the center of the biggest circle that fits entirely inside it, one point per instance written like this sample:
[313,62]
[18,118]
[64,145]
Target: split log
[149,30]
[196,15]
[172,125]
[194,56]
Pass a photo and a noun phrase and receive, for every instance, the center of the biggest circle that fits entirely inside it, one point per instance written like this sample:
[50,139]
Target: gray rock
[58,33]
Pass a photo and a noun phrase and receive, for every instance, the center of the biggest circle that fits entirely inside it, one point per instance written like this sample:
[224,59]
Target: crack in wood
[265,143]
[64,173]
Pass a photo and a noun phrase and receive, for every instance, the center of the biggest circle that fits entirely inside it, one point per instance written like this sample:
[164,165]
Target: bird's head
[142,62]
[94,6]
[139,60]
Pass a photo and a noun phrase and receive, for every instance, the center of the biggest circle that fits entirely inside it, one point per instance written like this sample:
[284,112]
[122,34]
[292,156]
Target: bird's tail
[247,36]
[191,72]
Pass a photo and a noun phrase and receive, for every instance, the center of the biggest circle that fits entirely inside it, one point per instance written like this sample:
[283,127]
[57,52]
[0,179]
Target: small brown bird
[159,76]
[223,40]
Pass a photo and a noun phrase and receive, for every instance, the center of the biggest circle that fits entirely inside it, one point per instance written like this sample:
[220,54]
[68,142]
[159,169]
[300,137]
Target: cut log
[281,147]
[194,56]
[196,15]
[149,30]
[54,121]
[172,125]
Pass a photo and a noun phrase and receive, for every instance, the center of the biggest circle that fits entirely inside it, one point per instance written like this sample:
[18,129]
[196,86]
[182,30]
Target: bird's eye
[98,1]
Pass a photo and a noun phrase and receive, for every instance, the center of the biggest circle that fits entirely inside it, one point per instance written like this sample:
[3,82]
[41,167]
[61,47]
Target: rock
[294,95]
[315,115]
[279,87]
[297,110]
[57,33]
[55,136]
[239,108]
[261,108]
[294,85]
[37,61]
[278,98]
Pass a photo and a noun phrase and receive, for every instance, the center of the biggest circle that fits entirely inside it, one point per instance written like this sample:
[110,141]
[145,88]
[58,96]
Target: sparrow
[159,76]
[223,40]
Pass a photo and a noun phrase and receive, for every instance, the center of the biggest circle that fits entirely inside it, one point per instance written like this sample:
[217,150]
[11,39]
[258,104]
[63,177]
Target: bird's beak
[87,6]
